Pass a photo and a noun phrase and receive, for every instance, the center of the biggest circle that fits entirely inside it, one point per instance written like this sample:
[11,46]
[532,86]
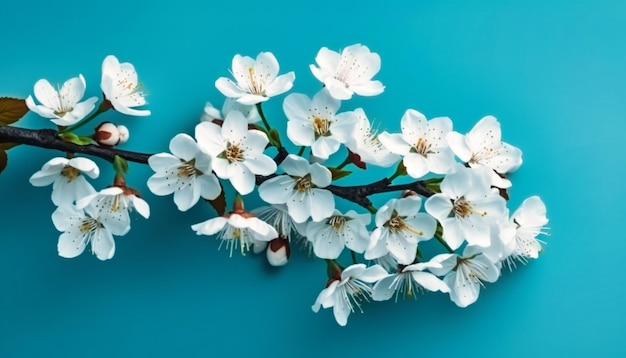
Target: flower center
[188,169]
[88,225]
[482,155]
[422,147]
[337,222]
[396,224]
[234,153]
[70,173]
[463,208]
[321,127]
[255,87]
[303,184]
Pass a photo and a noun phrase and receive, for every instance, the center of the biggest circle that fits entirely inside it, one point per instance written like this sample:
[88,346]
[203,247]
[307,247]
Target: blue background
[552,72]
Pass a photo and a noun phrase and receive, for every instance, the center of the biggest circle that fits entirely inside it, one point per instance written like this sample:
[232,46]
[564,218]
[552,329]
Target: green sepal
[120,165]
[274,138]
[339,173]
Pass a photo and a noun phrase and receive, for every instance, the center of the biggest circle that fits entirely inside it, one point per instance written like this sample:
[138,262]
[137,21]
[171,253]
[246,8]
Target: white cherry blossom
[67,179]
[186,173]
[79,228]
[467,206]
[348,290]
[301,188]
[278,216]
[237,230]
[482,146]
[364,141]
[408,281]
[211,113]
[399,228]
[113,205]
[257,79]
[422,144]
[314,122]
[236,152]
[331,235]
[121,87]
[349,72]
[62,106]
[465,274]
[529,221]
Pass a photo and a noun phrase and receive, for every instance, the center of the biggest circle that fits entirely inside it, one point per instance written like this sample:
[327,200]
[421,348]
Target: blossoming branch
[453,189]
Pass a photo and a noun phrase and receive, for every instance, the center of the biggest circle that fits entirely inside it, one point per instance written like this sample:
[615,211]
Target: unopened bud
[278,252]
[124,134]
[107,134]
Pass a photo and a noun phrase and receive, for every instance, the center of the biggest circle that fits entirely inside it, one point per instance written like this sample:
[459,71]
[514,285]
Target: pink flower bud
[278,252]
[107,134]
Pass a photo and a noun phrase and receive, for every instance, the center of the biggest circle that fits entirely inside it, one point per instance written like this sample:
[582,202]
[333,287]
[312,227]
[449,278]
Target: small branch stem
[259,108]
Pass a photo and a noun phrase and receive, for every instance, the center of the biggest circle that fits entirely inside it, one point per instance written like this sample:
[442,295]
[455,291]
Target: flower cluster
[85,216]
[449,230]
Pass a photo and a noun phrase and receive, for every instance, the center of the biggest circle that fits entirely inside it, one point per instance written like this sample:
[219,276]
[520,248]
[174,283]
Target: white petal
[85,165]
[429,281]
[209,186]
[184,147]
[228,88]
[322,204]
[369,88]
[46,94]
[385,288]
[102,244]
[71,244]
[186,197]
[281,84]
[320,175]
[235,127]
[161,185]
[295,165]
[210,227]
[161,162]
[459,146]
[241,178]
[394,143]
[141,206]
[277,190]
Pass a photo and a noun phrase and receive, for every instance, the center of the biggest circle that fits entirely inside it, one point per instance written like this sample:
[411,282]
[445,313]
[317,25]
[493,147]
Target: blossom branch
[48,138]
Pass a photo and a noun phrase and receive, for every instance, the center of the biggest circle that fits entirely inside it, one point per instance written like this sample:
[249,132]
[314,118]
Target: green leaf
[11,110]
[339,173]
[219,203]
[73,138]
[3,160]
[120,165]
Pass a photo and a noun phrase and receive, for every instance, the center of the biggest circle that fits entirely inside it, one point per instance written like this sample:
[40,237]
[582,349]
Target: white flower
[277,215]
[257,80]
[237,152]
[80,228]
[466,206]
[529,221]
[483,146]
[331,235]
[422,144]
[399,227]
[408,281]
[348,73]
[364,142]
[63,107]
[65,175]
[347,291]
[464,274]
[112,206]
[121,87]
[314,123]
[230,104]
[237,229]
[186,173]
[301,189]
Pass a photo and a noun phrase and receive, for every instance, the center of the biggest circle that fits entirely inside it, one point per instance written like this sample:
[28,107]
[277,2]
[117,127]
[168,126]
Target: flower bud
[124,134]
[278,252]
[107,134]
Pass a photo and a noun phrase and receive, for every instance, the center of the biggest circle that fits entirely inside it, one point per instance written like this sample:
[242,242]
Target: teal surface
[553,72]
